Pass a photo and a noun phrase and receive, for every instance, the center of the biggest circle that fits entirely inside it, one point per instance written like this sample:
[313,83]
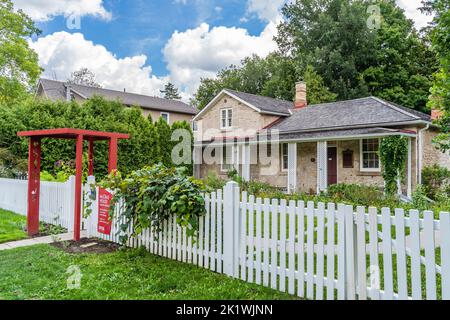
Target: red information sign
[104,201]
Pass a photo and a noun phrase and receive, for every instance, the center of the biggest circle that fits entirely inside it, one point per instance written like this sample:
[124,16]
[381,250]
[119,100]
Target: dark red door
[332,165]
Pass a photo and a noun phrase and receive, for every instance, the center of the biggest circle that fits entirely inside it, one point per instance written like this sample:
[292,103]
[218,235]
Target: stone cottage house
[316,145]
[171,110]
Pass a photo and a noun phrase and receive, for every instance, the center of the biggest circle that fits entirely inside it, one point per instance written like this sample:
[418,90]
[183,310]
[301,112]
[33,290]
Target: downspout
[421,152]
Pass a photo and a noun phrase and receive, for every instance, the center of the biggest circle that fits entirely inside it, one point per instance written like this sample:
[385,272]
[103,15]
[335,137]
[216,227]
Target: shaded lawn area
[39,272]
[12,226]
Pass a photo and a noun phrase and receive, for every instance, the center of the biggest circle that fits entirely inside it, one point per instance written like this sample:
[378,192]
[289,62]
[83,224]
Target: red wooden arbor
[34,167]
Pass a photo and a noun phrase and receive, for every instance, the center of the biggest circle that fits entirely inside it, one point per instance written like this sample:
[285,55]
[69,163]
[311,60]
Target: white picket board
[445,254]
[320,213]
[291,262]
[283,245]
[361,252]
[350,254]
[243,248]
[251,230]
[387,255]
[330,250]
[301,248]
[267,243]
[400,244]
[219,231]
[212,242]
[206,238]
[416,264]
[310,251]
[259,241]
[201,236]
[274,245]
[341,252]
[430,255]
[374,261]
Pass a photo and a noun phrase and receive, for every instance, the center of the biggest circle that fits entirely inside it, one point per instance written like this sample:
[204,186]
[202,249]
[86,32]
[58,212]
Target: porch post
[409,192]
[246,162]
[322,166]
[292,167]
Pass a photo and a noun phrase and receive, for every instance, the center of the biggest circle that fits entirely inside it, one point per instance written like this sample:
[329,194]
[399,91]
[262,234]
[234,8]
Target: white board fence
[322,251]
[56,200]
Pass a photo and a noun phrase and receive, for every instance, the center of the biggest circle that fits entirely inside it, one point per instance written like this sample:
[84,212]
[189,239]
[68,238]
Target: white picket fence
[315,252]
[56,200]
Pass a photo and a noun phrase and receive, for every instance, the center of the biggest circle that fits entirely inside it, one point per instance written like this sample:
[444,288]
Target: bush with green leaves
[148,145]
[152,195]
[393,155]
[436,180]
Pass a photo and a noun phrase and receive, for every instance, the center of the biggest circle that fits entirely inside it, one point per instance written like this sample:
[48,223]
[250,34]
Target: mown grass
[40,272]
[12,226]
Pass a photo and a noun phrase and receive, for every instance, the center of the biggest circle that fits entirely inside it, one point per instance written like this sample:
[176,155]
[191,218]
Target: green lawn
[39,272]
[12,226]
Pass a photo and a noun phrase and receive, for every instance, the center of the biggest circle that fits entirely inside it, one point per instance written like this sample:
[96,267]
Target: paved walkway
[40,240]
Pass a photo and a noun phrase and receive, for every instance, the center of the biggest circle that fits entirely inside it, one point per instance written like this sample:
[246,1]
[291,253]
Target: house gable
[246,119]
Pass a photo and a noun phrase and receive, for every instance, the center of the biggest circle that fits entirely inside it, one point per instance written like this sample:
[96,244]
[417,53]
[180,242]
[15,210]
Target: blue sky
[140,45]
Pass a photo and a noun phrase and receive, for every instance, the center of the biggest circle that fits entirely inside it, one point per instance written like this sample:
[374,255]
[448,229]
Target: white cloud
[203,51]
[62,53]
[266,10]
[412,12]
[46,10]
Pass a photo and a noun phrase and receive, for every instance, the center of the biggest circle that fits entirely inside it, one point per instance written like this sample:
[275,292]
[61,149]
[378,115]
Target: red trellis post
[34,167]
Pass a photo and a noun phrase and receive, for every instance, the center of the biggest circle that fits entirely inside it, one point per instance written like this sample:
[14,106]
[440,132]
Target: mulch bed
[87,246]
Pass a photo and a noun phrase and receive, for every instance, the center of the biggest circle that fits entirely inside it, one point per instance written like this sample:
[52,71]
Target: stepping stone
[88,245]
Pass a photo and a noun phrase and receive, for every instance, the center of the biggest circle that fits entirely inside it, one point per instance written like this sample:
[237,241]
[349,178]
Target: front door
[332,165]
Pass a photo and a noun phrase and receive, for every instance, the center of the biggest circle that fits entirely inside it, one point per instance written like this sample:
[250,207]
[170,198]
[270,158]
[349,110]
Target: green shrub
[153,194]
[436,180]
[145,147]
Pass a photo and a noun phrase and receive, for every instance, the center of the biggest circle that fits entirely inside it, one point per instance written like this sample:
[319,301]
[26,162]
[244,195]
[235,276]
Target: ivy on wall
[393,156]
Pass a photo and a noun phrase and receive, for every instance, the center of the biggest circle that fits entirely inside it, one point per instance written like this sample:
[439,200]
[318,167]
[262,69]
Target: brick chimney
[436,114]
[300,95]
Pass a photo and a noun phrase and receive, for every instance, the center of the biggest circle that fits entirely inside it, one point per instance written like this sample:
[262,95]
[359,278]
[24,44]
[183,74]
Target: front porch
[310,163]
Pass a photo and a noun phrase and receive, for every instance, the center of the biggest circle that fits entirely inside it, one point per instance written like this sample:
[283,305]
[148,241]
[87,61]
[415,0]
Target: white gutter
[421,131]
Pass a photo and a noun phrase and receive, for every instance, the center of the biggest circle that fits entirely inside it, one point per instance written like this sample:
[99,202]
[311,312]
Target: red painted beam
[78,185]
[34,181]
[73,134]
[112,162]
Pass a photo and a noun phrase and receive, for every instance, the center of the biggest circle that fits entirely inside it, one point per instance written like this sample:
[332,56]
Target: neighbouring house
[170,110]
[319,145]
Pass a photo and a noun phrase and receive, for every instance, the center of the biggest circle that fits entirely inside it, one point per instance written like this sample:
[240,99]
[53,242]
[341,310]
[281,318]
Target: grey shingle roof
[359,112]
[56,90]
[265,104]
[338,133]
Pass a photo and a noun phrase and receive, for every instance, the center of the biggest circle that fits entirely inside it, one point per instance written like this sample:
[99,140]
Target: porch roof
[346,134]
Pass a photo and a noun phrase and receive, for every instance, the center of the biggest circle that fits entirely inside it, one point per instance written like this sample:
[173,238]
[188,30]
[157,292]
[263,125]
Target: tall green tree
[356,56]
[165,144]
[440,98]
[19,68]
[274,76]
[171,92]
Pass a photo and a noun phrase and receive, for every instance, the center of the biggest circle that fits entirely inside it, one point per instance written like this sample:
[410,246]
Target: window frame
[168,116]
[227,118]
[361,156]
[283,145]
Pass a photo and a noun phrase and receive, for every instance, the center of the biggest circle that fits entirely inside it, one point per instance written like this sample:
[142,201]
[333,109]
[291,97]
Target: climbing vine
[150,196]
[393,156]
